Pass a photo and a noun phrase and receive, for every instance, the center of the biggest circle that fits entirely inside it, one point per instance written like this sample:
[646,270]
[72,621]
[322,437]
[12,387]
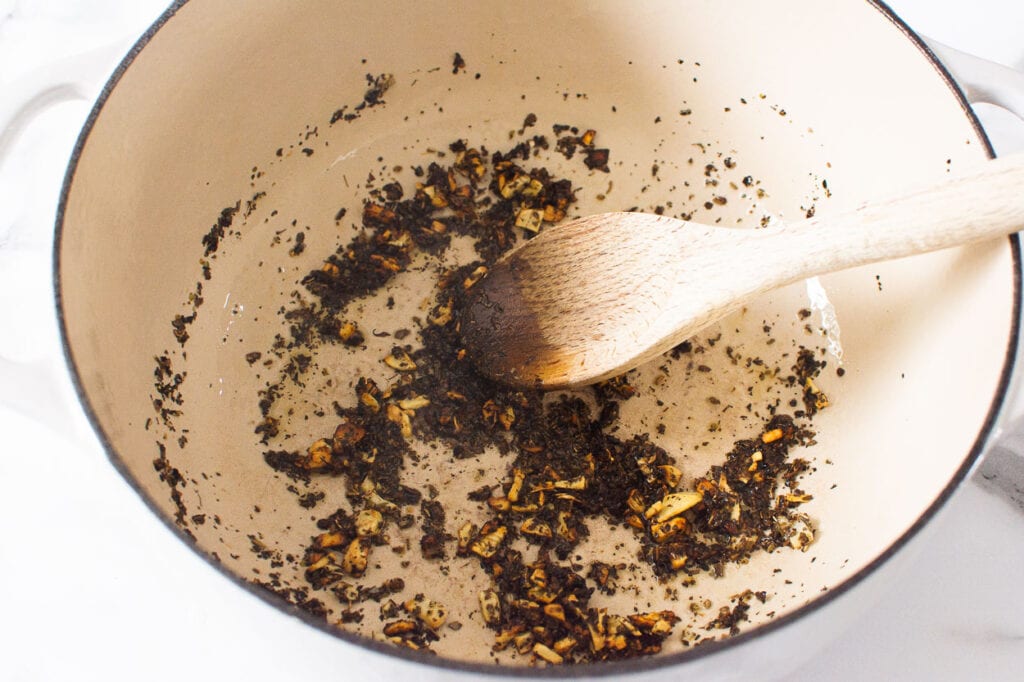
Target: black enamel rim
[601,669]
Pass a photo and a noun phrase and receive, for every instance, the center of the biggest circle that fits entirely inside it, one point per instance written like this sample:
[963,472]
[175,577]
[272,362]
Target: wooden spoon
[594,297]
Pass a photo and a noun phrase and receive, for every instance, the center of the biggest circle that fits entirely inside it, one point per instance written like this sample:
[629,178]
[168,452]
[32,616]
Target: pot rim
[635,665]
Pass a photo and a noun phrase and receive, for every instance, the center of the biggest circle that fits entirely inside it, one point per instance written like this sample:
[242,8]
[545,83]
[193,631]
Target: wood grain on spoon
[594,297]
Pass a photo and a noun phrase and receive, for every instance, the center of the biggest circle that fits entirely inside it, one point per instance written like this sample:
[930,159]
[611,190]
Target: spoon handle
[985,203]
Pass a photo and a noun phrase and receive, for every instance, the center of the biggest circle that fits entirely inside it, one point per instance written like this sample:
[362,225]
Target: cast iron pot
[225,104]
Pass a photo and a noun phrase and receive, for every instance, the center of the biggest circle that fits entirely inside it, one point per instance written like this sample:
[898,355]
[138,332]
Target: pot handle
[33,378]
[981,80]
[76,77]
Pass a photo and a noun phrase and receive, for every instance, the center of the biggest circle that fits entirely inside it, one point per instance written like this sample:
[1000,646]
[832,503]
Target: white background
[92,586]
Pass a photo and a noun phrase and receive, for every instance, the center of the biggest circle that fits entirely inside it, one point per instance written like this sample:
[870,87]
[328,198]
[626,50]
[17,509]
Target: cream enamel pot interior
[824,104]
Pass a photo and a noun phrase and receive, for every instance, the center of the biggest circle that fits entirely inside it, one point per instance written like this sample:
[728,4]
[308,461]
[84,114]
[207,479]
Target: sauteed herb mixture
[567,465]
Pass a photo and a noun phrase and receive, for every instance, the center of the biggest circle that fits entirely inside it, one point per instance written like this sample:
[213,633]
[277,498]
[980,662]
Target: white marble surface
[93,587]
